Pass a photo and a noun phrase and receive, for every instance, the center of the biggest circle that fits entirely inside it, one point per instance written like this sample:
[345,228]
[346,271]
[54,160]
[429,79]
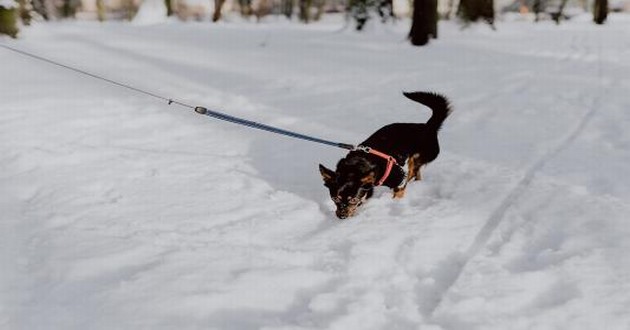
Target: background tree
[559,14]
[287,8]
[68,8]
[305,10]
[24,9]
[169,7]
[218,6]
[45,8]
[8,19]
[424,23]
[600,11]
[362,10]
[474,10]
[100,10]
[246,7]
[537,8]
[8,22]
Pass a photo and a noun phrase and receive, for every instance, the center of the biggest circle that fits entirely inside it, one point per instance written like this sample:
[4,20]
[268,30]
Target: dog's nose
[342,215]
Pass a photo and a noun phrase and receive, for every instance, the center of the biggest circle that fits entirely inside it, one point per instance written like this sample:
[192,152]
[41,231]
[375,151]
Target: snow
[121,212]
[8,4]
[150,12]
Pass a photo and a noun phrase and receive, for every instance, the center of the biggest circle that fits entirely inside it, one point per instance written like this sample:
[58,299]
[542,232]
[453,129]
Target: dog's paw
[399,192]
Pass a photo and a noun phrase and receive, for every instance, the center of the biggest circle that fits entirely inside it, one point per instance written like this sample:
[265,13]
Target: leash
[199,109]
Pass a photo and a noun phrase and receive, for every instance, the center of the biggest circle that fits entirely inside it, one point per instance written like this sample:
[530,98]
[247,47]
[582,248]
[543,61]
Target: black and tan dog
[379,159]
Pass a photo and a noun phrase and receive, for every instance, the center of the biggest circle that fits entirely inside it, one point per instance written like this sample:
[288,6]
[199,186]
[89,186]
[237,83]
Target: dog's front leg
[399,192]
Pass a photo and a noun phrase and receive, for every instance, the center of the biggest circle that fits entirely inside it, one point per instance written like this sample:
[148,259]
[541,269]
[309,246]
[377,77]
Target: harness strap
[391,161]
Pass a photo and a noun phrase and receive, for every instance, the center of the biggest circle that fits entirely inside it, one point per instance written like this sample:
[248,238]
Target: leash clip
[201,110]
[363,148]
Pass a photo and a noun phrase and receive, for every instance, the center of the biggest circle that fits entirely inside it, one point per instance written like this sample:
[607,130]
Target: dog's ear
[369,179]
[327,175]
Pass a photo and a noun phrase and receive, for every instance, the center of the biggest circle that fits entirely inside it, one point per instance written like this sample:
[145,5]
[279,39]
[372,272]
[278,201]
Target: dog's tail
[438,103]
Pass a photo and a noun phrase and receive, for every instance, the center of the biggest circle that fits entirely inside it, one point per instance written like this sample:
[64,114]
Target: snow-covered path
[121,212]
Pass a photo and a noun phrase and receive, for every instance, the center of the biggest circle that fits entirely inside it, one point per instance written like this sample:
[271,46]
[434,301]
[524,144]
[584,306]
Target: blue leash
[253,124]
[198,109]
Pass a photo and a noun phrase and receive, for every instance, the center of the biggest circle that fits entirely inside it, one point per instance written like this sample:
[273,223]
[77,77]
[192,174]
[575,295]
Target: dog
[379,160]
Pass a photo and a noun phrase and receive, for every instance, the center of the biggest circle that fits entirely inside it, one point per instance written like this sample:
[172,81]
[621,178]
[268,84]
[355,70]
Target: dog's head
[350,185]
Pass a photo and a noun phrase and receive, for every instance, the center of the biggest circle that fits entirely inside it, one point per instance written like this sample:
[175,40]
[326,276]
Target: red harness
[391,161]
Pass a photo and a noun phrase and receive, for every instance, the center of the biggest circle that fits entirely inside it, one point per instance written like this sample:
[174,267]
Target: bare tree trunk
[537,8]
[600,11]
[218,6]
[8,22]
[305,10]
[169,7]
[449,11]
[100,10]
[287,8]
[319,4]
[263,9]
[473,10]
[246,7]
[424,24]
[557,16]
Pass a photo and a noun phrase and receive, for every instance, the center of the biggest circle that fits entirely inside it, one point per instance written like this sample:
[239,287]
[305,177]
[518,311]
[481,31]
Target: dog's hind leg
[414,168]
[413,173]
[400,191]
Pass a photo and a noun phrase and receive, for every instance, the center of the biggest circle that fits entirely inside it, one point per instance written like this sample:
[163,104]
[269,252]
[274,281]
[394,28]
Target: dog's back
[405,139]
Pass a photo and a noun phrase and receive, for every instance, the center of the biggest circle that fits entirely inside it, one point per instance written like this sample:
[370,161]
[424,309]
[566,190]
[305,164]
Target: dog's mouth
[345,211]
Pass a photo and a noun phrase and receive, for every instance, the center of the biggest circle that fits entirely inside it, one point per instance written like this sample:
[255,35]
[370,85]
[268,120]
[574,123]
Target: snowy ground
[120,212]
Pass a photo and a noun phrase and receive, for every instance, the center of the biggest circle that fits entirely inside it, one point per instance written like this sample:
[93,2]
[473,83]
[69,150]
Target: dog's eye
[336,199]
[354,200]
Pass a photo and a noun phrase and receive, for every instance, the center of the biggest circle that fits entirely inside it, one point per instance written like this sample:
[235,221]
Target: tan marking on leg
[399,192]
[412,168]
[418,174]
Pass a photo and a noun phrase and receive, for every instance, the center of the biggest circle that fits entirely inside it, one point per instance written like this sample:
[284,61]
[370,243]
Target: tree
[424,23]
[473,10]
[8,19]
[45,8]
[558,15]
[361,11]
[100,10]
[24,10]
[218,5]
[287,8]
[305,10]
[600,11]
[169,7]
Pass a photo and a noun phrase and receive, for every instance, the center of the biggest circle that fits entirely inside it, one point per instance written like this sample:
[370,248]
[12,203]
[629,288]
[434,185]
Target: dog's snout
[344,213]
[341,214]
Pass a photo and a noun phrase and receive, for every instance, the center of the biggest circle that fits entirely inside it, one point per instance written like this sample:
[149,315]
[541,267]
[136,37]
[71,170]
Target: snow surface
[150,12]
[8,4]
[120,212]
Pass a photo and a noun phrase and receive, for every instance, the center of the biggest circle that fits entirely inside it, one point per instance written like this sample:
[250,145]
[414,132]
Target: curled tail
[438,103]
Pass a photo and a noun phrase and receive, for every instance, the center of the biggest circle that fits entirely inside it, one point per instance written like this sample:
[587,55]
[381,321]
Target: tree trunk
[8,22]
[305,10]
[473,10]
[24,10]
[287,8]
[100,10]
[218,6]
[169,7]
[559,15]
[424,24]
[600,11]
